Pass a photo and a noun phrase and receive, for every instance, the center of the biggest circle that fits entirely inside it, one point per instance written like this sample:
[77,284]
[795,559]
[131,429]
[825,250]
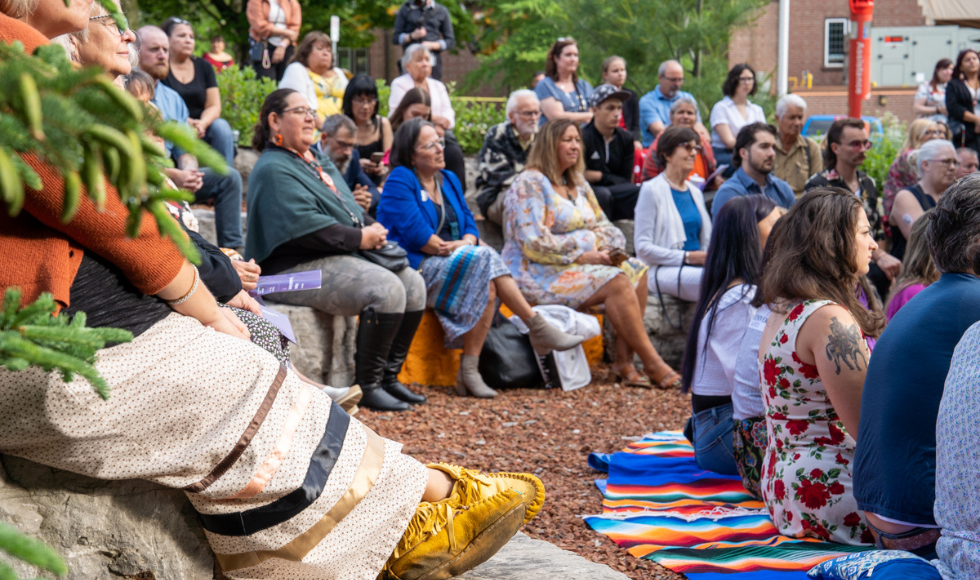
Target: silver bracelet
[185,297]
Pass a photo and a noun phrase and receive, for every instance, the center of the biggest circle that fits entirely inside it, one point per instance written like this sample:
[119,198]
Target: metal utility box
[905,56]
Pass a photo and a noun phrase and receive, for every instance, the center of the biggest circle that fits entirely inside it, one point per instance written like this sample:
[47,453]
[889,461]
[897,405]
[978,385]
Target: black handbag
[507,360]
[255,49]
[391,256]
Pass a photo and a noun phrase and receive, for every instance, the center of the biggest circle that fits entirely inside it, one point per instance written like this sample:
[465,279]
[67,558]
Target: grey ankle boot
[546,338]
[468,379]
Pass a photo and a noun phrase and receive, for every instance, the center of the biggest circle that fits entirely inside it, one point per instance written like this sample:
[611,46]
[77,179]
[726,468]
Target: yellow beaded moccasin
[471,485]
[445,539]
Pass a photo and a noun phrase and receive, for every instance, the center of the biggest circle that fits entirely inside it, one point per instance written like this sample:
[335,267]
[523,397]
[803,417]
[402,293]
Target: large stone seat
[137,530]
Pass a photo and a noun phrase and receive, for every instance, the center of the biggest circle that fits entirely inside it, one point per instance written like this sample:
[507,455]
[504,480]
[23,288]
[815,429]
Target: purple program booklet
[308,280]
[280,321]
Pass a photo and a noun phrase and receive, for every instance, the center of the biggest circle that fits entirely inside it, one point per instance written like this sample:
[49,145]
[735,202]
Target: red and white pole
[859,78]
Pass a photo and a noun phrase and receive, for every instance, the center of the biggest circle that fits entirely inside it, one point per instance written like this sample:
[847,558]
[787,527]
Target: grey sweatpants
[352,284]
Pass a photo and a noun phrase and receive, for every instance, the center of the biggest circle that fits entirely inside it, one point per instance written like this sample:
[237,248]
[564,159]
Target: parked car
[817,126]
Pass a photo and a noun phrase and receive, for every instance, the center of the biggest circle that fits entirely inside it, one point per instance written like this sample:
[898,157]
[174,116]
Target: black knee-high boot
[397,356]
[375,333]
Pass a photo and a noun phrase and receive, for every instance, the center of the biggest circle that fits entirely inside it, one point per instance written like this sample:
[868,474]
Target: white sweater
[658,233]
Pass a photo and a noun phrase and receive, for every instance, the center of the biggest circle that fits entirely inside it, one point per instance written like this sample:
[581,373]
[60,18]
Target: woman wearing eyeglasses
[733,112]
[104,44]
[302,216]
[425,207]
[194,80]
[312,72]
[902,173]
[936,162]
[562,93]
[374,134]
[672,224]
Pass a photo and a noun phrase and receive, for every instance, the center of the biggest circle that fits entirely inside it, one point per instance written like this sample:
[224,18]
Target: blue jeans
[225,191]
[220,137]
[713,432]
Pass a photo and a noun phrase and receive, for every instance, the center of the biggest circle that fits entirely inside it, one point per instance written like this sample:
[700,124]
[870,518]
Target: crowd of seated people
[230,390]
[791,349]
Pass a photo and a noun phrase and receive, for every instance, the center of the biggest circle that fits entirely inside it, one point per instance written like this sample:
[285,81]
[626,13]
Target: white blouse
[725,112]
[714,367]
[441,105]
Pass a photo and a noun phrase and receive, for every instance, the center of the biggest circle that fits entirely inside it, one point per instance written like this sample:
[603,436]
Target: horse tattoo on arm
[843,344]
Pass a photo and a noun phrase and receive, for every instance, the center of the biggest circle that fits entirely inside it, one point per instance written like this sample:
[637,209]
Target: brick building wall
[455,67]
[759,45]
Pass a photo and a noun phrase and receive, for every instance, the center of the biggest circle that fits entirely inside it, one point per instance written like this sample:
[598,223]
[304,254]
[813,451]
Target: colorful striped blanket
[659,505]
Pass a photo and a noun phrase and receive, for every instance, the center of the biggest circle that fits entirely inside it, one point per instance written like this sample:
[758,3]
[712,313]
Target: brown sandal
[671,379]
[632,378]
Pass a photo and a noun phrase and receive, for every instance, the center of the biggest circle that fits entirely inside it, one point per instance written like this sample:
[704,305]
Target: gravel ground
[549,433]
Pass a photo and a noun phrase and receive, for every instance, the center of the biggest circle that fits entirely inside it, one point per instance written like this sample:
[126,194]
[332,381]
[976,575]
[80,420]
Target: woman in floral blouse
[813,360]
[561,249]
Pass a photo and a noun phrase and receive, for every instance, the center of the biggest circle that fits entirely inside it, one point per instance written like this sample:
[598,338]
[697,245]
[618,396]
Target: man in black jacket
[428,23]
[609,154]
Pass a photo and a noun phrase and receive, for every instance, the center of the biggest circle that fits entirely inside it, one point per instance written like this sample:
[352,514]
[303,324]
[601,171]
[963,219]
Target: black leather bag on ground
[508,361]
[392,257]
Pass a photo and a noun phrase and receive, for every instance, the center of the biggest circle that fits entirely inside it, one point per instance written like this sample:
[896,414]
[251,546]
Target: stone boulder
[105,530]
[526,559]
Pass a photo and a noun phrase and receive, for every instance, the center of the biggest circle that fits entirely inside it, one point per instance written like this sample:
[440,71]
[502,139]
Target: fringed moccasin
[471,486]
[445,538]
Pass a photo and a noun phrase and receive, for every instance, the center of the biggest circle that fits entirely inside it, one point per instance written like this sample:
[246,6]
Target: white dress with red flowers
[806,483]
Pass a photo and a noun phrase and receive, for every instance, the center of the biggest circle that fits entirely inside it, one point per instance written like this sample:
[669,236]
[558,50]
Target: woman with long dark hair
[732,269]
[962,92]
[733,112]
[814,357]
[562,93]
[930,97]
[374,133]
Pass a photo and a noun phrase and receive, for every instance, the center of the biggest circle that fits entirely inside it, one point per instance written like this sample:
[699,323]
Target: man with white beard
[504,152]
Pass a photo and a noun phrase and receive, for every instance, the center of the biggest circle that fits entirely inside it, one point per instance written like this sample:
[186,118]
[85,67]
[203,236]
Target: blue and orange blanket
[659,505]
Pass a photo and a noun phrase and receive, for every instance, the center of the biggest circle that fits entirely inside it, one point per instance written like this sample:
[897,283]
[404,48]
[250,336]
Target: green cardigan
[287,200]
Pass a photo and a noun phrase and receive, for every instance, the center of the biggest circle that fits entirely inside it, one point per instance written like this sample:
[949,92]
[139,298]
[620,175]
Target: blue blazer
[412,222]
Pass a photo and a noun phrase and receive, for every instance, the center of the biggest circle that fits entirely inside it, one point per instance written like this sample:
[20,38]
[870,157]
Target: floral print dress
[807,482]
[546,233]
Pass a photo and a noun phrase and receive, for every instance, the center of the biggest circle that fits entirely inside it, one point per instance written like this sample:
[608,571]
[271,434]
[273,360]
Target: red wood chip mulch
[549,433]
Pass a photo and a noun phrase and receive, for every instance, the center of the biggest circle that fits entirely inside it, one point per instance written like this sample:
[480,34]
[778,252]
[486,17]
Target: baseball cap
[606,91]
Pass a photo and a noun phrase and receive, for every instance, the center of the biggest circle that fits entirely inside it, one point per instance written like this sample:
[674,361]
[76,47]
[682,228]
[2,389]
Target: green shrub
[473,120]
[886,148]
[384,93]
[242,95]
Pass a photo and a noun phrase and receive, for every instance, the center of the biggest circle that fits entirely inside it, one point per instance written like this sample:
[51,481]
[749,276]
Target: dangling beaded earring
[277,139]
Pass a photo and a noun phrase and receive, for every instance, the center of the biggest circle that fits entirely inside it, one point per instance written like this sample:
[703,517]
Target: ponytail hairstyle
[274,103]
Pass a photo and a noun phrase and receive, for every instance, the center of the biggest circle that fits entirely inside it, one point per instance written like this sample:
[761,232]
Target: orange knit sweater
[41,254]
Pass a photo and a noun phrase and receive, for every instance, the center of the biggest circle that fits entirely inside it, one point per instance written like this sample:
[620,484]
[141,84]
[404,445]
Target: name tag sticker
[759,321]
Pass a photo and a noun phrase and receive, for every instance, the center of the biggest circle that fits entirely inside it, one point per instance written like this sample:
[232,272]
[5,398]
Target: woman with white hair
[417,64]
[936,162]
[103,44]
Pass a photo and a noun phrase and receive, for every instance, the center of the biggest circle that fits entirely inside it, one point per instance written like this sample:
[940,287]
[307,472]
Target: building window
[834,42]
[354,60]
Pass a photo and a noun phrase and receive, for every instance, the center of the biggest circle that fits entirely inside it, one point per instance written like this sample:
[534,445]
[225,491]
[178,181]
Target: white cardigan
[297,77]
[658,233]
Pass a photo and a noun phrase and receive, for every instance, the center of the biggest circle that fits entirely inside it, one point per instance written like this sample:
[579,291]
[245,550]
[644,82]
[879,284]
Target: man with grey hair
[338,142]
[504,152]
[969,162]
[797,157]
[655,105]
